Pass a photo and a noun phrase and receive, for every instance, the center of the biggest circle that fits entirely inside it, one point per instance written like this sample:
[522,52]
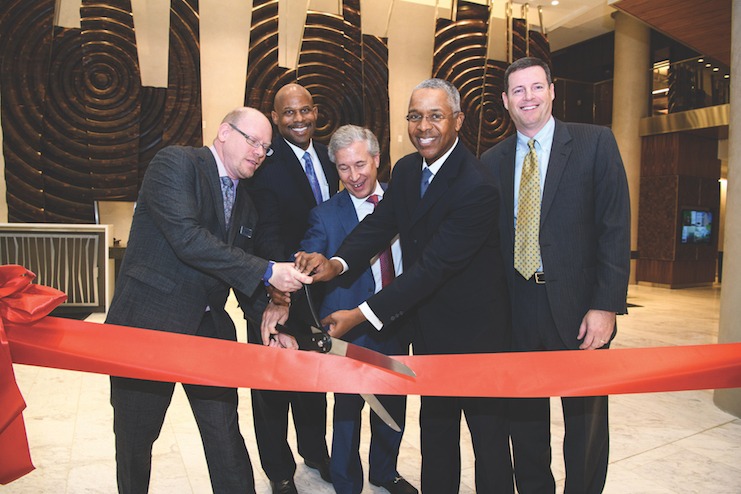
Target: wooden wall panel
[77,125]
[460,57]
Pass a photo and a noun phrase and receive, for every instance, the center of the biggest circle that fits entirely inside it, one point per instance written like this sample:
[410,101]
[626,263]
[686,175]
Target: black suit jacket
[284,198]
[584,223]
[453,282]
[180,257]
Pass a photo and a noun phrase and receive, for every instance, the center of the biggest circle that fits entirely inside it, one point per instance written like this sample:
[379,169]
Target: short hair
[347,135]
[236,115]
[454,97]
[524,63]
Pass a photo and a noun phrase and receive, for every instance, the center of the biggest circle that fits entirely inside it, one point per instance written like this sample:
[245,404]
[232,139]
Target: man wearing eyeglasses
[191,241]
[443,205]
[297,177]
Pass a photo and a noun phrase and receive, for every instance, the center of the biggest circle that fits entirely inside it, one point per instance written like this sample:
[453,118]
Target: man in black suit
[297,177]
[443,205]
[566,295]
[187,248]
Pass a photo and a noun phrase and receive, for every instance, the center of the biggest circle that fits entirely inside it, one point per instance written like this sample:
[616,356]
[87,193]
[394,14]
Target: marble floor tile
[661,443]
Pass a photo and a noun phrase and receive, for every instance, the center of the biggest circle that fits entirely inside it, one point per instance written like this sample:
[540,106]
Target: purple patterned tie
[313,181]
[227,192]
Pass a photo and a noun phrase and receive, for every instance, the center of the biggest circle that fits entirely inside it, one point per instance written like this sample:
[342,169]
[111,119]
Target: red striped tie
[385,257]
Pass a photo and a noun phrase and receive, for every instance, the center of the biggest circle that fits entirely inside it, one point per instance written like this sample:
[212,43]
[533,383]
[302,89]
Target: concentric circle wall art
[79,127]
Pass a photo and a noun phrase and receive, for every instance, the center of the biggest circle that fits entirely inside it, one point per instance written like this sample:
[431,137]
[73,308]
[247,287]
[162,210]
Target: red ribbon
[157,355]
[20,302]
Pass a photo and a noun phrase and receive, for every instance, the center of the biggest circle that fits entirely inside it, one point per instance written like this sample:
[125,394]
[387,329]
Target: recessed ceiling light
[700,60]
[554,2]
[708,65]
[715,69]
[727,76]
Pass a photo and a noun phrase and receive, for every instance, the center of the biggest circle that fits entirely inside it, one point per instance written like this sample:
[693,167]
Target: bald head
[294,114]
[242,141]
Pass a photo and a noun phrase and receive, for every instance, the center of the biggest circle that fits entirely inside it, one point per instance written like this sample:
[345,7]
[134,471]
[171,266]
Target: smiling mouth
[300,129]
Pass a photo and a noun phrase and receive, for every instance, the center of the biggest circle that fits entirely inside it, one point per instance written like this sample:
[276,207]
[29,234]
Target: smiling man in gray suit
[190,242]
[565,228]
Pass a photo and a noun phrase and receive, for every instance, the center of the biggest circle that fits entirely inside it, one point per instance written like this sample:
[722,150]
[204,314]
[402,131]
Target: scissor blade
[381,411]
[367,356]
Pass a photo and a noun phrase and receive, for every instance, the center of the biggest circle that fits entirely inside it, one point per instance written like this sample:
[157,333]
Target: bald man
[190,243]
[297,177]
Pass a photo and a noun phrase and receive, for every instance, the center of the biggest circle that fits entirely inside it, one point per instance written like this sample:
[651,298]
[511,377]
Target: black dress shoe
[283,487]
[398,485]
[322,466]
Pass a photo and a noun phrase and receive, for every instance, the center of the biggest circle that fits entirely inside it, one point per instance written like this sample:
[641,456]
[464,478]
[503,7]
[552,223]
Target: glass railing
[680,86]
[689,84]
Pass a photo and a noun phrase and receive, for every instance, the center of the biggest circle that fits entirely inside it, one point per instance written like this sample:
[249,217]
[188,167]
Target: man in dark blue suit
[444,206]
[190,243]
[575,280]
[297,177]
[356,154]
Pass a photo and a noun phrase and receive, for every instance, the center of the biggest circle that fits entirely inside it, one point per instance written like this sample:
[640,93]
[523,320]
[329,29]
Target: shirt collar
[220,164]
[544,136]
[300,152]
[358,201]
[438,163]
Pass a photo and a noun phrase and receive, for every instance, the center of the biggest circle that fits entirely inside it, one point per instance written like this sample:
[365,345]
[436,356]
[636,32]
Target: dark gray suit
[180,260]
[585,251]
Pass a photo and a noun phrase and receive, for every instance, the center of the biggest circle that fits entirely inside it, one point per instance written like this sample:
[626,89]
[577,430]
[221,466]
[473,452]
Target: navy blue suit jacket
[453,285]
[284,198]
[329,224]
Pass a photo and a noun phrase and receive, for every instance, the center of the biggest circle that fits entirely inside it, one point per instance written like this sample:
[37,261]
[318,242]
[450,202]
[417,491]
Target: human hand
[278,297]
[287,278]
[596,329]
[319,267]
[272,316]
[342,321]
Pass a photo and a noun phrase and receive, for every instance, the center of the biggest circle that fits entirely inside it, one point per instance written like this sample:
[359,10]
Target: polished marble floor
[662,443]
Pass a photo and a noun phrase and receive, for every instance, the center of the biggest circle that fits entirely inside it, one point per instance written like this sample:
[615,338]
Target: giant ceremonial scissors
[316,340]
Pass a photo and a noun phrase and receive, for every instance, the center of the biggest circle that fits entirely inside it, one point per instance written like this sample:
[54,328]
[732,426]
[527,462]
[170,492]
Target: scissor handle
[313,342]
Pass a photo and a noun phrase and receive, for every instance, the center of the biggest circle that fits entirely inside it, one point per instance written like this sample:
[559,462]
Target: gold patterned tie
[527,246]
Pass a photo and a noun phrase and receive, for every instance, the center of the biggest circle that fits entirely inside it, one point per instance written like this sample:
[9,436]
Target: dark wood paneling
[704,26]
[345,71]
[77,124]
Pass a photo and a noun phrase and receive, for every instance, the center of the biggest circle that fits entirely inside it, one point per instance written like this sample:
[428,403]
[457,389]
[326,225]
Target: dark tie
[313,181]
[227,192]
[527,245]
[425,182]
[385,257]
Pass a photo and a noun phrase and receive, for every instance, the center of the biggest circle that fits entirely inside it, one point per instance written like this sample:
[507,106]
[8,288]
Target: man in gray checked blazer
[186,250]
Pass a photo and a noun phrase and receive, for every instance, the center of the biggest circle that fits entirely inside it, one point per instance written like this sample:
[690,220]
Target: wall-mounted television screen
[697,226]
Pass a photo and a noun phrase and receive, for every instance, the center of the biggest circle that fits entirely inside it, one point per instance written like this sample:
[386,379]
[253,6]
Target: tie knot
[373,198]
[531,145]
[426,173]
[307,158]
[227,182]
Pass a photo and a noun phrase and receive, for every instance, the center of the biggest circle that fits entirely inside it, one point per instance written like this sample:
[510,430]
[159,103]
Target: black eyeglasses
[253,142]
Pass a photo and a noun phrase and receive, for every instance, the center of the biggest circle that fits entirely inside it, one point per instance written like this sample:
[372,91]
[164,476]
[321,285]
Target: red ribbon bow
[20,302]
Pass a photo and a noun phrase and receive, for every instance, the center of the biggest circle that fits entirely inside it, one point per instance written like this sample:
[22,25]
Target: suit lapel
[560,152]
[440,183]
[508,182]
[295,169]
[346,213]
[214,184]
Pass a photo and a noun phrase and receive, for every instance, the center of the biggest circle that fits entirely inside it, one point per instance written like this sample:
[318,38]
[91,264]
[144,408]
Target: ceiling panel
[704,26]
